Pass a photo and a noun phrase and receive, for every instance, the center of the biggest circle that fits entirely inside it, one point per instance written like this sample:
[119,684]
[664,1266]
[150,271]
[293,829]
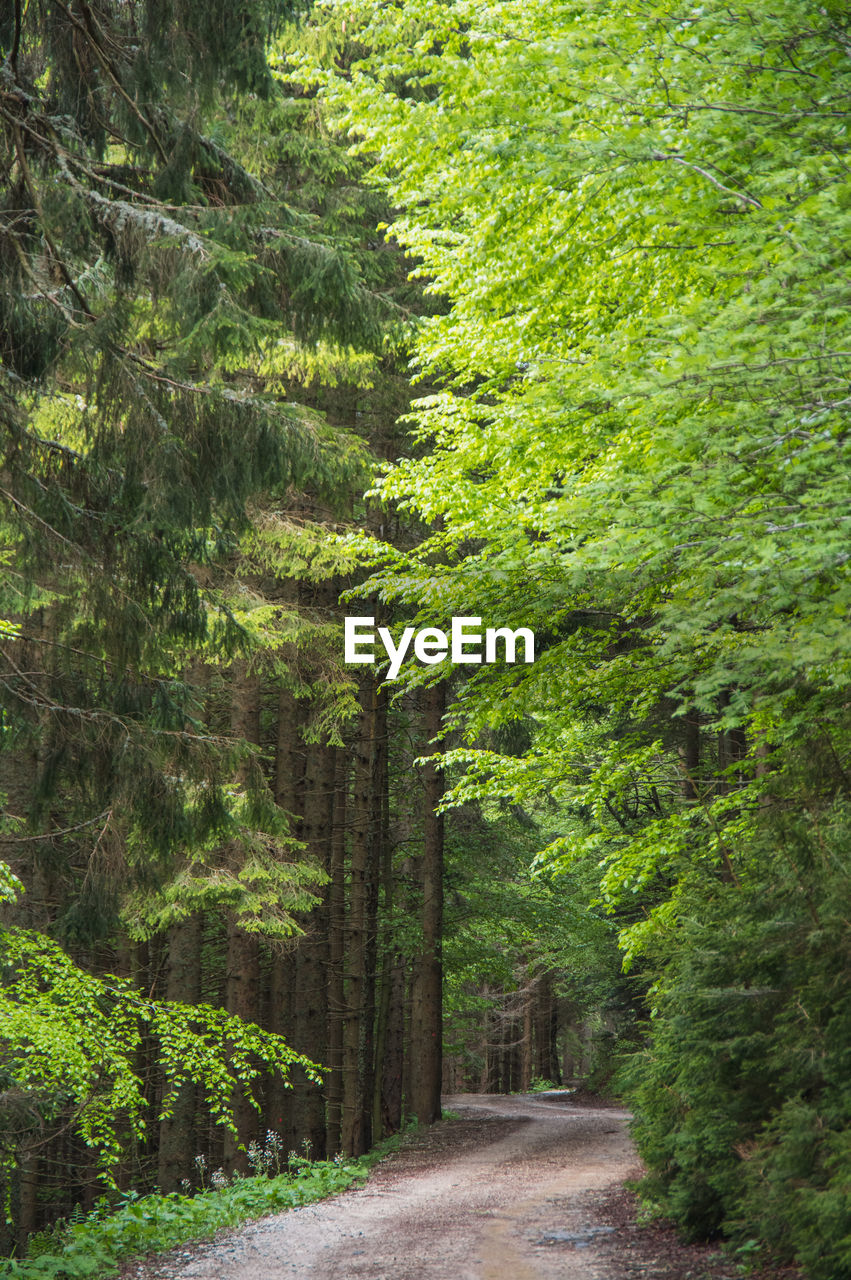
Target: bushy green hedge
[743,1097]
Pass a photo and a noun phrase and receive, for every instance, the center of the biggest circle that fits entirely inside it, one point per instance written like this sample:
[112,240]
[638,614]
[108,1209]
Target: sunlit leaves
[637,219]
[71,1042]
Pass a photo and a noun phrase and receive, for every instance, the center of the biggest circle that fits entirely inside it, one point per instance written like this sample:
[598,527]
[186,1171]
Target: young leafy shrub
[69,1047]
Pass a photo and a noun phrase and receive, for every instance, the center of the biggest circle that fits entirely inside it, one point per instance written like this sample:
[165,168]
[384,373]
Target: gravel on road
[526,1187]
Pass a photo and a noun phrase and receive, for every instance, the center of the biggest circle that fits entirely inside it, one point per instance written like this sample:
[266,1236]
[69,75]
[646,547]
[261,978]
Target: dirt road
[514,1190]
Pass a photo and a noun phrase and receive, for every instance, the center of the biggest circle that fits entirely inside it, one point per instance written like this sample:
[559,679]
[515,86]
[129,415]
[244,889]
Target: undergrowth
[143,1225]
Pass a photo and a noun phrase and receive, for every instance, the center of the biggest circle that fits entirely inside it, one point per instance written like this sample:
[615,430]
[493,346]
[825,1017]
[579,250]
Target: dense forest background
[530,312]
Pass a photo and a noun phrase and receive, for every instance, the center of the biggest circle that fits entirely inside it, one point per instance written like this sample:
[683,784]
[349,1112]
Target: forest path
[516,1189]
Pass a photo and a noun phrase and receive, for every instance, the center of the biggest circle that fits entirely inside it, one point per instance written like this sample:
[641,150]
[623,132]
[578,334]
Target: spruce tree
[150,282]
[190,329]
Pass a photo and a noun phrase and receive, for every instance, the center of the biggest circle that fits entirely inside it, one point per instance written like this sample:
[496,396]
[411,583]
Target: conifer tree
[187,341]
[145,270]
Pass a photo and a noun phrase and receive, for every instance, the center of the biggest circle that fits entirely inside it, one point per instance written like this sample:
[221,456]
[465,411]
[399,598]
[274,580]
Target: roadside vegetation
[130,1227]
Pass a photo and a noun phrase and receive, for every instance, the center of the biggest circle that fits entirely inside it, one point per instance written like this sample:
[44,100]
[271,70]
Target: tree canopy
[637,218]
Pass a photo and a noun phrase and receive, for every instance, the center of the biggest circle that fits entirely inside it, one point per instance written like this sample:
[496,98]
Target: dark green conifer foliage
[742,1094]
[200,341]
[145,274]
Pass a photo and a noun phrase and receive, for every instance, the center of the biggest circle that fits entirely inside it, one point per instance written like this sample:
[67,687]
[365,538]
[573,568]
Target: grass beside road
[137,1226]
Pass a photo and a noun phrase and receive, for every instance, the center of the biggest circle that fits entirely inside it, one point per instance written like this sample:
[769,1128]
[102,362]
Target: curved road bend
[498,1195]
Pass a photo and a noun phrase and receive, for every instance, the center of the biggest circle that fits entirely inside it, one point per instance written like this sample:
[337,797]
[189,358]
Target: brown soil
[518,1188]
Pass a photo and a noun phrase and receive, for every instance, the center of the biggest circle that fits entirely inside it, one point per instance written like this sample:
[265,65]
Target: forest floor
[517,1188]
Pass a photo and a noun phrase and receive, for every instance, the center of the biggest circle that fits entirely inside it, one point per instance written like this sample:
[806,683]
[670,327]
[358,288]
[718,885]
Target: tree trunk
[391,1059]
[336,952]
[352,1137]
[27,1174]
[377,845]
[183,983]
[242,983]
[427,1035]
[281,988]
[289,795]
[388,960]
[310,1013]
[242,973]
[530,992]
[546,1030]
[690,755]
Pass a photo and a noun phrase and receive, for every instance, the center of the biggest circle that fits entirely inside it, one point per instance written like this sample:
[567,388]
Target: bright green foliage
[71,1043]
[638,218]
[647,435]
[10,885]
[642,427]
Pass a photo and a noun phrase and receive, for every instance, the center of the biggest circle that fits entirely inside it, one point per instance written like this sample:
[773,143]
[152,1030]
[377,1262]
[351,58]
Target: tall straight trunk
[503,1068]
[278,1099]
[514,1050]
[513,1042]
[385,863]
[134,963]
[289,754]
[407,1036]
[336,952]
[546,1030]
[732,745]
[310,1010]
[488,1071]
[289,795]
[378,842]
[427,1037]
[27,1176]
[530,991]
[242,981]
[183,983]
[352,1137]
[391,1059]
[242,971]
[690,755]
